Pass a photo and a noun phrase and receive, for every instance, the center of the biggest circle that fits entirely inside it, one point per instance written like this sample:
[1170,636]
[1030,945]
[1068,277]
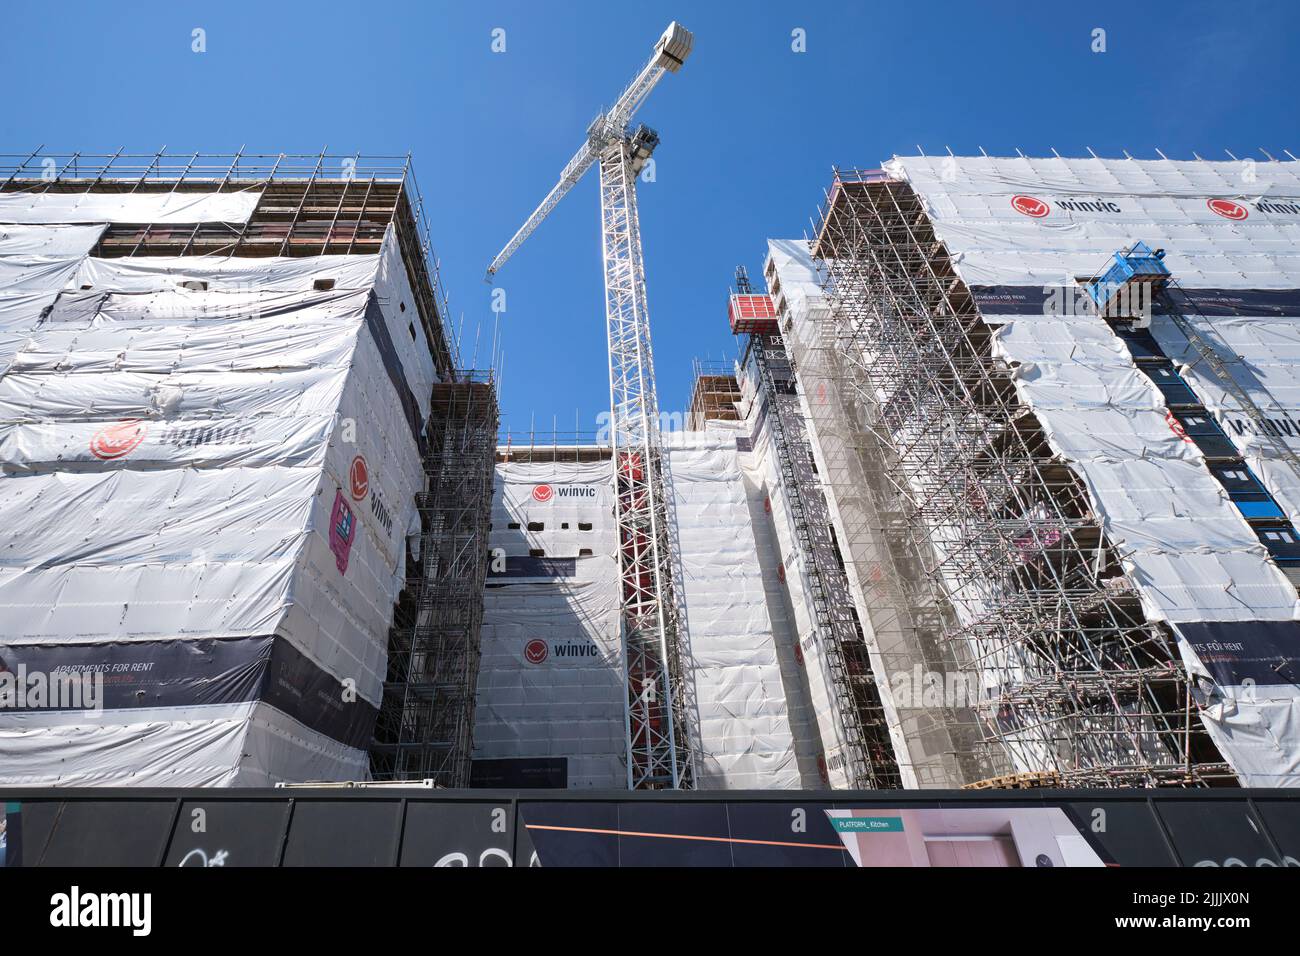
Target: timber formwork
[426,720]
[1028,595]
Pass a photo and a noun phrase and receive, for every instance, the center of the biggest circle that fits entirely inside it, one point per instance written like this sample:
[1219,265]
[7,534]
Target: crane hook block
[673,47]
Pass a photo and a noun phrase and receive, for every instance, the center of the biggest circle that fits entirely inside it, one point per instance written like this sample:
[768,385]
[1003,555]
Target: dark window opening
[323,285]
[537,526]
[584,552]
[401,306]
[1141,343]
[537,552]
[1282,542]
[1212,440]
[1171,384]
[513,526]
[564,526]
[584,525]
[411,328]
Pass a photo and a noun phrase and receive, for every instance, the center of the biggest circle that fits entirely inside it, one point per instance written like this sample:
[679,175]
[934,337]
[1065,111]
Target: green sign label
[868,824]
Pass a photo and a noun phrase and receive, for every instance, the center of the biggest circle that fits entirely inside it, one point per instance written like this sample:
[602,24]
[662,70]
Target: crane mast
[658,755]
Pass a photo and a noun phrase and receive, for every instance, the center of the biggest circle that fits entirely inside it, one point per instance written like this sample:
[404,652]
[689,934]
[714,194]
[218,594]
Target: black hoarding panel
[1282,817]
[1124,832]
[229,833]
[11,837]
[343,833]
[666,834]
[784,834]
[520,773]
[572,833]
[458,834]
[1217,833]
[96,833]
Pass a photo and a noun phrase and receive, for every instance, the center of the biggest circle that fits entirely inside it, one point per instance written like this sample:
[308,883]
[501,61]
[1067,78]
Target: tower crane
[658,756]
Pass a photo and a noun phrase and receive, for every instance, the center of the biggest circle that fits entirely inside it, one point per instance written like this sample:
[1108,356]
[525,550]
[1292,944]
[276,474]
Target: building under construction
[1017,439]
[1052,409]
[245,485]
[1000,489]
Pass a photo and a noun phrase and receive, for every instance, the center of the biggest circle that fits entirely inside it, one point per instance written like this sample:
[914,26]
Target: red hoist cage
[752,313]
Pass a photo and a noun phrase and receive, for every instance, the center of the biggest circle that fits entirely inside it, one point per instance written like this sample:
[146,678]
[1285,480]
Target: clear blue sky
[750,129]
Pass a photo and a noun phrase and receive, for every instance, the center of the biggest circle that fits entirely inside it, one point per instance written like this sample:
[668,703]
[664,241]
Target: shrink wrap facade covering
[1020,231]
[551,684]
[209,473]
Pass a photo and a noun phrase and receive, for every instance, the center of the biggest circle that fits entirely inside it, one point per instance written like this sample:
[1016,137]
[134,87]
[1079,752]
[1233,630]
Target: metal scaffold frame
[862,728]
[312,204]
[1072,679]
[426,720]
[714,394]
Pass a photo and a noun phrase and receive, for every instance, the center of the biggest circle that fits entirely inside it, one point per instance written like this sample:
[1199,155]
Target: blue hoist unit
[1138,264]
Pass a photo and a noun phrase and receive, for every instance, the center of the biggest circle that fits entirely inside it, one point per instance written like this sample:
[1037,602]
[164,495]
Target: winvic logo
[359,478]
[538,651]
[1037,208]
[359,487]
[1029,206]
[118,439]
[1228,209]
[545,493]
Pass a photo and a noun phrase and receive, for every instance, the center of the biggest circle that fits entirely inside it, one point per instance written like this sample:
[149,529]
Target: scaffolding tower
[870,763]
[1072,678]
[714,395]
[426,720]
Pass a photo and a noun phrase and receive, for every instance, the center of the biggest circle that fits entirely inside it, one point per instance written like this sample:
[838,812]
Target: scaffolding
[426,719]
[1027,593]
[868,752]
[714,395]
[311,204]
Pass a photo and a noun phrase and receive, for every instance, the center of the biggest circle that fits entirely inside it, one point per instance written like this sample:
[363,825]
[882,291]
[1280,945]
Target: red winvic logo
[1029,206]
[118,439]
[1177,428]
[535,651]
[359,478]
[1228,209]
[542,493]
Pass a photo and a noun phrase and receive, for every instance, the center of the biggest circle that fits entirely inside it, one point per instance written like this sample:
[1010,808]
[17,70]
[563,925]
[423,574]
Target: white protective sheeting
[812,707]
[551,679]
[36,262]
[1017,230]
[217,745]
[551,674]
[737,699]
[206,463]
[160,208]
[925,740]
[47,240]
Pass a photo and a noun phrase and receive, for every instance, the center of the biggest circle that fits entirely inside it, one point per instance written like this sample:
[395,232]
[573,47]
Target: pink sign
[343,529]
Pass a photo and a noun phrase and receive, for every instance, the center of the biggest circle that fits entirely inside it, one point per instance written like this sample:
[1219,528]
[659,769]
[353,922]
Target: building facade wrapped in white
[208,475]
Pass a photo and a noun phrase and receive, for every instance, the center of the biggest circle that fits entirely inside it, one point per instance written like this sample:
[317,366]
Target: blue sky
[750,129]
